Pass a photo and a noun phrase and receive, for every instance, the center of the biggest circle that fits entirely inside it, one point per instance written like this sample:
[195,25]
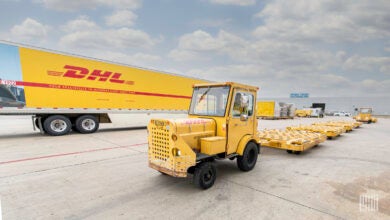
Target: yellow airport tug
[221,124]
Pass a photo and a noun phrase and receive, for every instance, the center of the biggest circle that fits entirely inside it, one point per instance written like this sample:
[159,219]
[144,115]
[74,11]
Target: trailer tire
[86,124]
[205,175]
[57,125]
[248,160]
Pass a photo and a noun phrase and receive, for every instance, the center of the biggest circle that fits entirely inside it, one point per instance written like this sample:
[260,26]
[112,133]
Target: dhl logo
[77,72]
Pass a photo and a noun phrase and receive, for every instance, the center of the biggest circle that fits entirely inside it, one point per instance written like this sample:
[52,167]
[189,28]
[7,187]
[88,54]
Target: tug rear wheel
[248,160]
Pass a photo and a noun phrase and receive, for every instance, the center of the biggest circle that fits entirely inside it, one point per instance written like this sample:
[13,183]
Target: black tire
[86,124]
[369,122]
[205,175]
[289,151]
[57,125]
[297,152]
[248,160]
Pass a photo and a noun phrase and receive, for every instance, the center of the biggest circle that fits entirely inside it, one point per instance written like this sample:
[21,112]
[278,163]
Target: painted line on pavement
[67,154]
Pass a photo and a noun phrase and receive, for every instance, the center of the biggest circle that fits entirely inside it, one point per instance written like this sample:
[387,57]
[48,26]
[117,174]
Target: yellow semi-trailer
[62,91]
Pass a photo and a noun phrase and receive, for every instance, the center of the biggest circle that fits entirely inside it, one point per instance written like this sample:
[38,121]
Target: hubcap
[207,177]
[88,124]
[58,125]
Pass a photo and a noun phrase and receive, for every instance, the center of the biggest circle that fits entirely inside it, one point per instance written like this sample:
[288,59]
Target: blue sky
[324,47]
[9,63]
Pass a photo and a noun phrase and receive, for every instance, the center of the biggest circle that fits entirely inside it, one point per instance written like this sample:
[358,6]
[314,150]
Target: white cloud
[240,73]
[82,33]
[75,5]
[273,54]
[137,59]
[371,64]
[123,18]
[325,20]
[184,55]
[29,30]
[81,24]
[234,2]
[199,43]
[112,38]
[376,87]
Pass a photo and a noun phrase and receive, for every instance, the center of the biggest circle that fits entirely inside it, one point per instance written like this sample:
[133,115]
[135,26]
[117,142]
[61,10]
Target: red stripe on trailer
[92,89]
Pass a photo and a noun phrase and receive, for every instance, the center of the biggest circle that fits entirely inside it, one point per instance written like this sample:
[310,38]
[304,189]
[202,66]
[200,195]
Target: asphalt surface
[105,176]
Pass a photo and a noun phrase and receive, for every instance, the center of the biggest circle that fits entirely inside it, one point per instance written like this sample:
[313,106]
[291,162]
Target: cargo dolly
[348,125]
[329,131]
[291,140]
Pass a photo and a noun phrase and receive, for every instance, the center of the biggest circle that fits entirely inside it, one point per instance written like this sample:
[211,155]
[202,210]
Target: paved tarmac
[105,176]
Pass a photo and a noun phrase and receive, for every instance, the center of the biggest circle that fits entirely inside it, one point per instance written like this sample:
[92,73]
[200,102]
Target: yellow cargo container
[265,109]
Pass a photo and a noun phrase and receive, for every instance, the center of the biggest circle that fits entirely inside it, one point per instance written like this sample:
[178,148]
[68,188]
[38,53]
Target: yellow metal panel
[55,80]
[237,129]
[265,108]
[213,145]
[162,146]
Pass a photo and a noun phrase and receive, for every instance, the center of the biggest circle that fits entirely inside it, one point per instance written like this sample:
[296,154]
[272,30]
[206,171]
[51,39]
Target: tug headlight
[176,152]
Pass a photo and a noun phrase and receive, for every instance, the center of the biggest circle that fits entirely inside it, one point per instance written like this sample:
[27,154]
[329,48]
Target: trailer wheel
[289,151]
[205,175]
[86,124]
[248,160]
[57,125]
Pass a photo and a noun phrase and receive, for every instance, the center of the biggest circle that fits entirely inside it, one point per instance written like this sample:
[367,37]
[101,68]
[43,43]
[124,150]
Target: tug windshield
[209,101]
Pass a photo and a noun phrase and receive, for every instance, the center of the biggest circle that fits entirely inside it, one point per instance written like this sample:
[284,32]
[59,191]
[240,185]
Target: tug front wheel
[205,175]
